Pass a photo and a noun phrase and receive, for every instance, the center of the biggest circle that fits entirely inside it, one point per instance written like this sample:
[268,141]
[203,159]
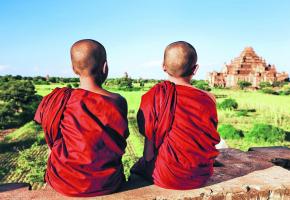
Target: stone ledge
[271,183]
[238,175]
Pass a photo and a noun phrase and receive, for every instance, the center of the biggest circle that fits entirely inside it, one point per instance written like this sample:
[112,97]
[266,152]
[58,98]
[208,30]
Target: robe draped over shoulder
[86,133]
[179,124]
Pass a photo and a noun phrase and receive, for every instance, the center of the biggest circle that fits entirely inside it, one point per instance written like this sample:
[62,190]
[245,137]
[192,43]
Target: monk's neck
[88,83]
[180,80]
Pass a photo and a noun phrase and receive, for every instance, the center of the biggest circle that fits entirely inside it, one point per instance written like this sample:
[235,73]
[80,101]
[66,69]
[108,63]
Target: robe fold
[180,128]
[86,133]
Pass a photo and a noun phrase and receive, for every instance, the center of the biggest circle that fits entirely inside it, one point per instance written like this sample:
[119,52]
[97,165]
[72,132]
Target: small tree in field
[244,84]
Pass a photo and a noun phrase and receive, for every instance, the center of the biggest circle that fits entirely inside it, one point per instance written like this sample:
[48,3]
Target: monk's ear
[164,67]
[105,68]
[105,71]
[75,71]
[194,69]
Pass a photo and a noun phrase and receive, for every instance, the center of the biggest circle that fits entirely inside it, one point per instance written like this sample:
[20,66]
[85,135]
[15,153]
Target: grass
[270,109]
[244,145]
[29,130]
[25,142]
[43,90]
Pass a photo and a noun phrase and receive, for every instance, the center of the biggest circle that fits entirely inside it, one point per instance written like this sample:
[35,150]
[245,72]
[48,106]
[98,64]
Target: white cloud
[3,68]
[36,69]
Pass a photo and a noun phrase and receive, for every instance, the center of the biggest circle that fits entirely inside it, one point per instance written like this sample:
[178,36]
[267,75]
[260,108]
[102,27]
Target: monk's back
[188,148]
[87,158]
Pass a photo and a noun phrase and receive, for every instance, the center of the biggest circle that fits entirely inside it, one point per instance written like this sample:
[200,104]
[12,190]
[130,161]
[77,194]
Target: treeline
[39,80]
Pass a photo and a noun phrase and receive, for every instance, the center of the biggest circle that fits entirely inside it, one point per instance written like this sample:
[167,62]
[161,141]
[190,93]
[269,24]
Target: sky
[36,36]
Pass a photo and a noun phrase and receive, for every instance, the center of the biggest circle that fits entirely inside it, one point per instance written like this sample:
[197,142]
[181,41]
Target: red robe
[179,124]
[86,133]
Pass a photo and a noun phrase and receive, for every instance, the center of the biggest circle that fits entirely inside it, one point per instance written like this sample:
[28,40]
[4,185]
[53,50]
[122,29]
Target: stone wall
[260,173]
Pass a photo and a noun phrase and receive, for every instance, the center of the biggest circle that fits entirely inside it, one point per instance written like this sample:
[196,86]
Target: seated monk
[85,128]
[179,123]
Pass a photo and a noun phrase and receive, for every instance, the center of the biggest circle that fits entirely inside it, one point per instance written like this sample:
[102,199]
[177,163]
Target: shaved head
[88,59]
[180,59]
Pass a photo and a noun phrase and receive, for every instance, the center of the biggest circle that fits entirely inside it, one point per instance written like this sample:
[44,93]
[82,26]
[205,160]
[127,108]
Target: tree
[201,84]
[52,79]
[142,84]
[18,103]
[244,84]
[126,83]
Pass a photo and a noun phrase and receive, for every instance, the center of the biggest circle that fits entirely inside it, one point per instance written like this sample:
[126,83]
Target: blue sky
[35,36]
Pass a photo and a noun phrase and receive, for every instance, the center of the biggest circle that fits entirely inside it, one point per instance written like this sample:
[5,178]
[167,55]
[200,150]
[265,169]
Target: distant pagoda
[247,67]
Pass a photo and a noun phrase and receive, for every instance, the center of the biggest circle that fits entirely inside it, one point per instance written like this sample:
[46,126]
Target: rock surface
[238,175]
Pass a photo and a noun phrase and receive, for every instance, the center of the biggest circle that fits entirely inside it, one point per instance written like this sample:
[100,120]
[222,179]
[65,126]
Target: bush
[264,84]
[228,104]
[269,91]
[285,90]
[267,133]
[244,84]
[76,85]
[277,84]
[201,84]
[228,131]
[69,86]
[18,101]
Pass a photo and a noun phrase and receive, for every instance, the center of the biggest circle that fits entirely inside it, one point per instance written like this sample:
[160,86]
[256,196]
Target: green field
[270,109]
[17,147]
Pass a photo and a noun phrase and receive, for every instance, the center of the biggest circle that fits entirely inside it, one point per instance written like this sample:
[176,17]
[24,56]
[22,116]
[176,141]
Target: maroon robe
[86,133]
[179,124]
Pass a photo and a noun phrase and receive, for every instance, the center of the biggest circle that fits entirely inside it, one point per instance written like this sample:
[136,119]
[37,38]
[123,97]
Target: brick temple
[247,67]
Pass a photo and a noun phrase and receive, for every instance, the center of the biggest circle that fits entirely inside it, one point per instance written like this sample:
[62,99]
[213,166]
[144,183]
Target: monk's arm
[146,114]
[38,113]
[122,103]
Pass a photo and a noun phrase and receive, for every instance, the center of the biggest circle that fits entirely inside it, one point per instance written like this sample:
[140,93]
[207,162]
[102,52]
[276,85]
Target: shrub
[201,84]
[264,84]
[244,84]
[269,91]
[277,84]
[285,90]
[76,85]
[266,132]
[18,101]
[228,131]
[228,104]
[69,85]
